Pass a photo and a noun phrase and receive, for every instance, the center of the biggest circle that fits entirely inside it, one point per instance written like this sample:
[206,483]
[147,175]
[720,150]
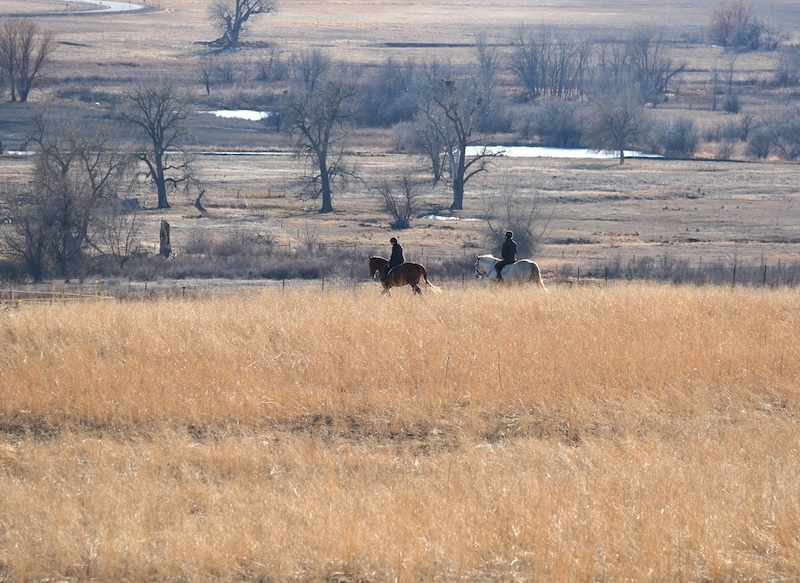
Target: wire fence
[761,275]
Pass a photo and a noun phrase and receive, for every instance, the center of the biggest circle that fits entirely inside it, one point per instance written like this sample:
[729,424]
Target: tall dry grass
[626,433]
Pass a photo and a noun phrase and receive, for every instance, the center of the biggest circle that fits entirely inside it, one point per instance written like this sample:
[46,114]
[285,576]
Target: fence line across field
[760,274]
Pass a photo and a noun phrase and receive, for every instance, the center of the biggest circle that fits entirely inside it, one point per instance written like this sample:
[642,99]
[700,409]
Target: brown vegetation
[614,432]
[627,433]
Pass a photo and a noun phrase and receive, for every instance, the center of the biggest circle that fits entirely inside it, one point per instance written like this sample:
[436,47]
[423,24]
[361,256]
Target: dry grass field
[621,432]
[628,433]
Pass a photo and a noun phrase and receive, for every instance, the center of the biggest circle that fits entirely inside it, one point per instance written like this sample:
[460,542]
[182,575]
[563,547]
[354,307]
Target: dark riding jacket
[397,256]
[508,254]
[509,251]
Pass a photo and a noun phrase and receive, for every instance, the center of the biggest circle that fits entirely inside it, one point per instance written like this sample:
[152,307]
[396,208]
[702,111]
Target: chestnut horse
[408,273]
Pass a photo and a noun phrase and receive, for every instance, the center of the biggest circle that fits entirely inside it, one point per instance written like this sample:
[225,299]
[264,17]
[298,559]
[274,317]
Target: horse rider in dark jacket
[395,259]
[508,254]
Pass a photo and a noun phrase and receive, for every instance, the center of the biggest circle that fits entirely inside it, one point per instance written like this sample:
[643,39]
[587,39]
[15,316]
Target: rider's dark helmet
[509,234]
[393,240]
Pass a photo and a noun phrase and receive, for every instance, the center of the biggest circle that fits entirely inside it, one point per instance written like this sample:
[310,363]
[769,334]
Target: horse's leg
[536,275]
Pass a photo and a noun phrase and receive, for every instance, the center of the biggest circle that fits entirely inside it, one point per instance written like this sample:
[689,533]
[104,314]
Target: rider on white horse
[508,254]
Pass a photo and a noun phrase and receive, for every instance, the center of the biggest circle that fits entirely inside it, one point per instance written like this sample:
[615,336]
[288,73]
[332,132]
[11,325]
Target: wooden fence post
[165,248]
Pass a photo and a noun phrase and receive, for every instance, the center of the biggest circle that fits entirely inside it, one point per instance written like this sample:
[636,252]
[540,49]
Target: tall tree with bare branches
[24,52]
[159,113]
[317,113]
[453,111]
[231,18]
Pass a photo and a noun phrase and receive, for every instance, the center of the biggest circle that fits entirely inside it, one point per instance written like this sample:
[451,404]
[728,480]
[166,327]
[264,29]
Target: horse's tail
[536,274]
[434,288]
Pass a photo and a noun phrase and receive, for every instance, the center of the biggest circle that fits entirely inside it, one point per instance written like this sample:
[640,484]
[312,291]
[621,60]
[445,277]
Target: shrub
[678,138]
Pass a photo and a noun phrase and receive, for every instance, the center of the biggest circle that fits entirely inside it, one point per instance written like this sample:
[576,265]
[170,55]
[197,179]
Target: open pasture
[624,433]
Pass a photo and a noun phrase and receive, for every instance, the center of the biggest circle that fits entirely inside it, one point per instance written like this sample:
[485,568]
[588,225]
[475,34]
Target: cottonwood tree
[317,113]
[231,18]
[617,122]
[452,111]
[158,114]
[25,50]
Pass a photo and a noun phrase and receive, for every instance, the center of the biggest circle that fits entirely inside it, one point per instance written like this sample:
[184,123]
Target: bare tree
[733,25]
[452,112]
[117,230]
[549,64]
[617,122]
[488,70]
[526,215]
[421,137]
[399,200]
[76,170]
[231,18]
[652,68]
[317,113]
[787,68]
[159,113]
[24,52]
[28,237]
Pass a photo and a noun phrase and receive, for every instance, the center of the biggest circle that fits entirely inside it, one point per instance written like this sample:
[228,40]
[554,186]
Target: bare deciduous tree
[420,137]
[76,169]
[618,122]
[317,113]
[117,230]
[550,64]
[733,25]
[452,112]
[653,69]
[24,52]
[231,18]
[399,200]
[159,113]
[526,215]
[27,238]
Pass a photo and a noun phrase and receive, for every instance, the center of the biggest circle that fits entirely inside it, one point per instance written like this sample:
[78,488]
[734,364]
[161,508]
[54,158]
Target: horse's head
[483,265]
[375,264]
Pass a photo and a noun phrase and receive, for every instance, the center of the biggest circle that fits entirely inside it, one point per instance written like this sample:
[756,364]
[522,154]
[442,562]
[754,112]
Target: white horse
[522,271]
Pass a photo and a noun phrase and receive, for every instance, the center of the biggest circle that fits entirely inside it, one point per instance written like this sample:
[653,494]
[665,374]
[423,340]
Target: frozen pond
[246,114]
[106,6]
[540,152]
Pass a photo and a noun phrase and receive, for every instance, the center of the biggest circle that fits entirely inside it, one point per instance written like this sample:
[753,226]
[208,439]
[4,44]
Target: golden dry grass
[624,433]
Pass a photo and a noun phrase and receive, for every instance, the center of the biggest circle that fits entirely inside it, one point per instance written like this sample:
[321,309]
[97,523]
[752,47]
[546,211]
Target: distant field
[698,210]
